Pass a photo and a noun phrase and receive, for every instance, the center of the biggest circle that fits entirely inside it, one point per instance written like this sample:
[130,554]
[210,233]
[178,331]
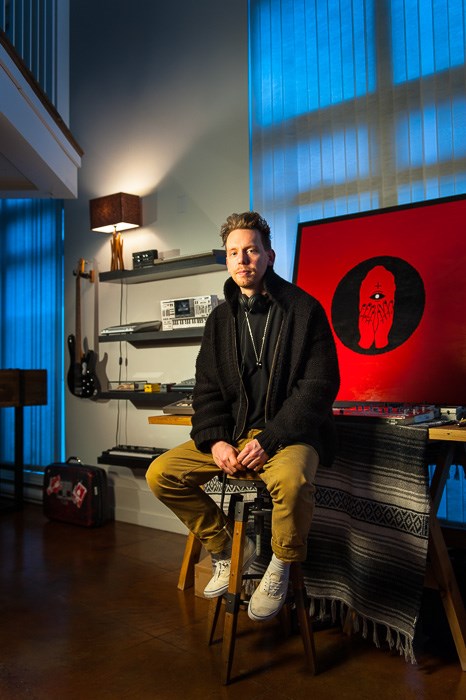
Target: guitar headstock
[81,270]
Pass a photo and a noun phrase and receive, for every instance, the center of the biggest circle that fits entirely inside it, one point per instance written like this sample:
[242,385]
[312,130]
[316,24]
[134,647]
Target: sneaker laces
[272,585]
[221,565]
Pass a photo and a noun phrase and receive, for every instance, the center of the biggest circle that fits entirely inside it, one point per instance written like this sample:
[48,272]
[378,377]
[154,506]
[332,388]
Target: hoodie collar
[274,286]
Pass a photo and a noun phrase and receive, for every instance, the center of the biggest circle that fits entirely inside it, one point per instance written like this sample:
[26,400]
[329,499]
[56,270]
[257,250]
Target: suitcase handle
[73,459]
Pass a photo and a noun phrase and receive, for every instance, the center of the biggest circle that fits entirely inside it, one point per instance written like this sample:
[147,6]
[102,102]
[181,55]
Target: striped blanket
[368,542]
[367,547]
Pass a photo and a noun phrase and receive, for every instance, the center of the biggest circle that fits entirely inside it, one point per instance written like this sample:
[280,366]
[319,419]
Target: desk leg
[441,568]
[19,457]
[440,476]
[444,575]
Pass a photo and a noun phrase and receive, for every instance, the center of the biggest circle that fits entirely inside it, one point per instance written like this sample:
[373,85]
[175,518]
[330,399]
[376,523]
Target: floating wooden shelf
[167,269]
[142,398]
[183,335]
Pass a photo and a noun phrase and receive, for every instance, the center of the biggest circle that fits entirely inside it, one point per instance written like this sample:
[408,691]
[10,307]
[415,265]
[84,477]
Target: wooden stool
[193,547]
[242,511]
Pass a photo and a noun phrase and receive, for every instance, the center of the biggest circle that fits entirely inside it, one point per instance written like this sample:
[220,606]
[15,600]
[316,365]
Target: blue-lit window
[31,320]
[357,101]
[354,105]
[296,38]
[428,37]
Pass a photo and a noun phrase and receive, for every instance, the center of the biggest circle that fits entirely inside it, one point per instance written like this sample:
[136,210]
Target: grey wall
[159,103]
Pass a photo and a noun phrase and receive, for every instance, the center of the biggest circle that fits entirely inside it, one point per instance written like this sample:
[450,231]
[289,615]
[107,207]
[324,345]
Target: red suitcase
[76,493]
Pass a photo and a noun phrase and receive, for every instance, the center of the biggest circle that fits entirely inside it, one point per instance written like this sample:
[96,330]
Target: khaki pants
[176,477]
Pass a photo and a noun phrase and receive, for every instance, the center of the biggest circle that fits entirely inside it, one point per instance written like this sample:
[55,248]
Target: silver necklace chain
[258,356]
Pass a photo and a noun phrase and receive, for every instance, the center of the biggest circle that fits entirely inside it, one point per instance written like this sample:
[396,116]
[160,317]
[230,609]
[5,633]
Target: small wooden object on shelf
[170,420]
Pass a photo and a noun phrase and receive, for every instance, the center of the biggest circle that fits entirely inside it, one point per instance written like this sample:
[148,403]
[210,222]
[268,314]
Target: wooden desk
[19,388]
[448,433]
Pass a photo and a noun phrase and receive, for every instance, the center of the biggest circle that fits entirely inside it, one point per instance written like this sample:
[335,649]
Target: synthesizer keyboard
[133,456]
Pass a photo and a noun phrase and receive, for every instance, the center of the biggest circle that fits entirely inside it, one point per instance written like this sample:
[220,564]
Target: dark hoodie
[303,383]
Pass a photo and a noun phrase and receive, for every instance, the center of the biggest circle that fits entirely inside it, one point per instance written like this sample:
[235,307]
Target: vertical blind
[31,319]
[355,105]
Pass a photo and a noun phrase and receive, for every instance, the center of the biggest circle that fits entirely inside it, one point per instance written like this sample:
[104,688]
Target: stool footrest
[232,602]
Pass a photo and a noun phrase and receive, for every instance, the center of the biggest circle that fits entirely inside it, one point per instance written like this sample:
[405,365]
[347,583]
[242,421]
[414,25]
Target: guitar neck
[79,349]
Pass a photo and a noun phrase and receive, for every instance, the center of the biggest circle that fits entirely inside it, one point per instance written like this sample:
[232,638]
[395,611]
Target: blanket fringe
[320,608]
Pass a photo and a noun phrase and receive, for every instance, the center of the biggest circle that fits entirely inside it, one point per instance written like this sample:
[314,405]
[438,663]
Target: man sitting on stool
[266,378]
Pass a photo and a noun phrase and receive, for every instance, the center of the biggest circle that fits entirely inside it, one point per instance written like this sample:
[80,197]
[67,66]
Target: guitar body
[81,378]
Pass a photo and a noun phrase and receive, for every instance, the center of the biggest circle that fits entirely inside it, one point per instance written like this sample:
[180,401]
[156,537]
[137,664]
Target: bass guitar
[82,379]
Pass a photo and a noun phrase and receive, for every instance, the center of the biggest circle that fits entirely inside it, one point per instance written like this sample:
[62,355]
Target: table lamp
[112,214]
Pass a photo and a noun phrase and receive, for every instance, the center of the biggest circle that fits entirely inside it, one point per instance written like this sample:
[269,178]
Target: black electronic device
[136,327]
[183,407]
[132,456]
[185,386]
[144,258]
[399,414]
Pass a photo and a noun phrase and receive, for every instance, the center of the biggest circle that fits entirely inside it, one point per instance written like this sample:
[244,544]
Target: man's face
[247,259]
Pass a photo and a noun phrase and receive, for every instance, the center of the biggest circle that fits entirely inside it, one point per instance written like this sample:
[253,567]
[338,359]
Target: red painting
[393,284]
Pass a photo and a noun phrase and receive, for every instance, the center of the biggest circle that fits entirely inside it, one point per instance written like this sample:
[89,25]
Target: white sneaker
[218,584]
[269,597]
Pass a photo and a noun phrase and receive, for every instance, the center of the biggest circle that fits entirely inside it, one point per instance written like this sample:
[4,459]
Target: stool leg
[234,499]
[304,619]
[234,590]
[212,618]
[348,625]
[285,619]
[191,554]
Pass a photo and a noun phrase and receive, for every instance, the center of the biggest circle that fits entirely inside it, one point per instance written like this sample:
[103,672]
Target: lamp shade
[115,212]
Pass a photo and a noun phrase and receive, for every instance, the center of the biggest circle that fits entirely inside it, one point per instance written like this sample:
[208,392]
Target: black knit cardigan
[303,384]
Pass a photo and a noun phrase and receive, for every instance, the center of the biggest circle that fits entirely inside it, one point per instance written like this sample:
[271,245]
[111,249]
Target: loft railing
[37,29]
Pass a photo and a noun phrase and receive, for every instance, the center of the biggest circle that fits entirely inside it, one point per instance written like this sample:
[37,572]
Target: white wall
[159,103]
